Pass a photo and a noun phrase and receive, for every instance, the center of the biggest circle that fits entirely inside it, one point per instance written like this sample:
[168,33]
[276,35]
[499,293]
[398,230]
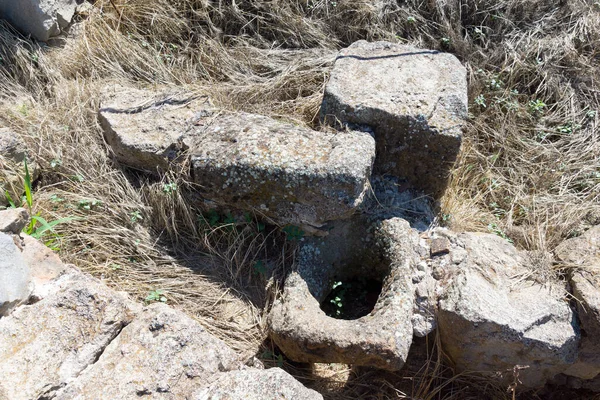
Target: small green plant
[170,188]
[157,295]
[88,205]
[55,163]
[591,114]
[115,266]
[568,128]
[135,216]
[480,101]
[293,233]
[411,20]
[445,42]
[536,107]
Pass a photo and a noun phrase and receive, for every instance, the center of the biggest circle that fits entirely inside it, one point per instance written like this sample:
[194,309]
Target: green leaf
[48,226]
[28,194]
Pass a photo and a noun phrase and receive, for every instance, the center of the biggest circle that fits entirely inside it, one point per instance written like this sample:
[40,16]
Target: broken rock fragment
[414,100]
[46,345]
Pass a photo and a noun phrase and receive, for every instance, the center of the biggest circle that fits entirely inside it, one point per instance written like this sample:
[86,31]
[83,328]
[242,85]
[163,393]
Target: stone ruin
[399,113]
[358,193]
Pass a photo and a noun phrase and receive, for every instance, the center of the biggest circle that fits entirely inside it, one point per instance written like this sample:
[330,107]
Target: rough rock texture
[291,174]
[584,252]
[13,220]
[46,345]
[271,384]
[145,129]
[492,318]
[15,281]
[380,339]
[45,267]
[42,19]
[12,153]
[161,354]
[414,100]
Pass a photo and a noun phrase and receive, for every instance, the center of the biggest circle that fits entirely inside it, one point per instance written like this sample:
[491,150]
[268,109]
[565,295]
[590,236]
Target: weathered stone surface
[162,354]
[13,220]
[46,345]
[42,19]
[380,339]
[45,267]
[287,172]
[414,100]
[145,129]
[271,384]
[15,281]
[583,252]
[291,174]
[491,318]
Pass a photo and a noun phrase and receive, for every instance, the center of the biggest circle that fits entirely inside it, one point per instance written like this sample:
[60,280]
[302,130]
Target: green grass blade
[48,226]
[28,193]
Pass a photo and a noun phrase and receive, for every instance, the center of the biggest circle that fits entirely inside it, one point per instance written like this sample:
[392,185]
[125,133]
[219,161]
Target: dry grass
[530,168]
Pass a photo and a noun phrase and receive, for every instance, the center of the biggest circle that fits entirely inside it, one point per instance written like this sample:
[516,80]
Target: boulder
[42,19]
[382,337]
[46,345]
[493,319]
[162,354]
[583,255]
[15,280]
[289,173]
[271,384]
[414,100]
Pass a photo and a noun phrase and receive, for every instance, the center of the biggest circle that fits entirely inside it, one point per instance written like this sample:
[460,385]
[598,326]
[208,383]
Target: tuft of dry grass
[529,170]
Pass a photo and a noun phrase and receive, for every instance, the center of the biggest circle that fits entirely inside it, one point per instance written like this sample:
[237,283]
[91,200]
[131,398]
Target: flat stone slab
[289,173]
[379,339]
[492,318]
[414,100]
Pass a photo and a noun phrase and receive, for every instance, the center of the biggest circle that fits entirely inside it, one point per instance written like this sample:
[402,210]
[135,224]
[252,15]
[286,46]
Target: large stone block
[493,320]
[289,173]
[42,19]
[414,100]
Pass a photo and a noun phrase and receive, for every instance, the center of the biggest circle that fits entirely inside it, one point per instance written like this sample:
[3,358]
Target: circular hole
[351,298]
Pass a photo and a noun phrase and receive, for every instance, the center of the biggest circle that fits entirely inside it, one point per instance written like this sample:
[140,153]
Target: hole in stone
[352,298]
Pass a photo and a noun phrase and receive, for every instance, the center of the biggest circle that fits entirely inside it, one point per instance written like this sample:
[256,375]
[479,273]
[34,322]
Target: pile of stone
[65,335]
